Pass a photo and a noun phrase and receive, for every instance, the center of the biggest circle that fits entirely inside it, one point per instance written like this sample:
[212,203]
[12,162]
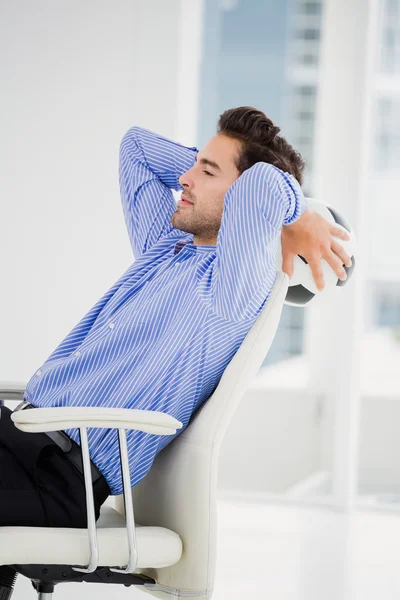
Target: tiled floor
[276,552]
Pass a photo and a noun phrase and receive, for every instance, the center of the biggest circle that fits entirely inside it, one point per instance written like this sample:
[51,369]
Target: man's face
[205,185]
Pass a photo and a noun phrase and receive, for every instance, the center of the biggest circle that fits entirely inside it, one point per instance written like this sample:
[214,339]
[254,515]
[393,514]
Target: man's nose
[186,180]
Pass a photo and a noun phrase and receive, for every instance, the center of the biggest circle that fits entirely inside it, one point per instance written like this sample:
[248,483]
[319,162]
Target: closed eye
[208,173]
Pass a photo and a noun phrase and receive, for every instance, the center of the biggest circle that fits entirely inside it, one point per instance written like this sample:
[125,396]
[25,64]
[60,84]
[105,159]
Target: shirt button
[77,353]
[111,325]
[38,372]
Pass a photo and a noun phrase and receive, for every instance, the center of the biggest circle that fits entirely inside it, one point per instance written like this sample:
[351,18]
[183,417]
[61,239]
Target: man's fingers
[342,254]
[341,233]
[336,265]
[287,264]
[317,273]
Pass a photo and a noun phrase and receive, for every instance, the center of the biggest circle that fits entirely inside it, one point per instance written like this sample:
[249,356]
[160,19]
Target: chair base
[5,592]
[45,577]
[8,576]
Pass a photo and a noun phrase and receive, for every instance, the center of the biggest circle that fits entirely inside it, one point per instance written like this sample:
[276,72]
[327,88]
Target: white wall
[75,76]
[280,437]
[272,442]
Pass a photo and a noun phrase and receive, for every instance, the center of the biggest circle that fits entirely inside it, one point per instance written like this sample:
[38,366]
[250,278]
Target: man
[161,337]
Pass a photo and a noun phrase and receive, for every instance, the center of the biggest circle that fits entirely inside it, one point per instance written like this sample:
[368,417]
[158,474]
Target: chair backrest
[180,490]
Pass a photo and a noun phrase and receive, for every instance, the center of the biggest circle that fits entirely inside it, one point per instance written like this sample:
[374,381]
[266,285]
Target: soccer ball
[302,287]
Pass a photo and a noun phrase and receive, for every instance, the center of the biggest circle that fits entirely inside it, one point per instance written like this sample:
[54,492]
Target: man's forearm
[166,159]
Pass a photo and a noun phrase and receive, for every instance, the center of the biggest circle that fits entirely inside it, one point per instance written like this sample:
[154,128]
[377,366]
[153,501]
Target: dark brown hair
[260,141]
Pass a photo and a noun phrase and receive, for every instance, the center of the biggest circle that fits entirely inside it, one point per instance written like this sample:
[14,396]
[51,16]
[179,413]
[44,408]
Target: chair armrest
[59,418]
[12,390]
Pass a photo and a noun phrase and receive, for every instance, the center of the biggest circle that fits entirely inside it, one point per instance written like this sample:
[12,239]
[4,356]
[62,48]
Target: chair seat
[157,546]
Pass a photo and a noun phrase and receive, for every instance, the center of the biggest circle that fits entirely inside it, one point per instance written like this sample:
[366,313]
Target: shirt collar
[188,243]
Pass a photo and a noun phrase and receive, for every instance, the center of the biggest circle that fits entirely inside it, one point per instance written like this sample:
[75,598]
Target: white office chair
[168,543]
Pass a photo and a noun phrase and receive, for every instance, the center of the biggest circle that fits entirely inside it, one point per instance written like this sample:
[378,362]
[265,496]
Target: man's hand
[311,237]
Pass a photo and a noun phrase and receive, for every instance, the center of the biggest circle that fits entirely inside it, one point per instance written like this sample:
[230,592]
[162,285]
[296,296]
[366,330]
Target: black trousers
[39,486]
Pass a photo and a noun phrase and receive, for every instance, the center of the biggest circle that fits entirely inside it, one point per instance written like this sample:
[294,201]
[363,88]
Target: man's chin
[178,223]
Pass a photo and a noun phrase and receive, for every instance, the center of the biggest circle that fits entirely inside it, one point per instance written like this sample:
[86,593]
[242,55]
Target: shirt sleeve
[149,168]
[256,206]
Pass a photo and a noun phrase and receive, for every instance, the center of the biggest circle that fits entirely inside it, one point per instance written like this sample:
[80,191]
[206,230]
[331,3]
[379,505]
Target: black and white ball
[302,287]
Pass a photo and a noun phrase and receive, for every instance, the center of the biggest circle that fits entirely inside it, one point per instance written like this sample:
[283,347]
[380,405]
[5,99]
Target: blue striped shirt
[162,336]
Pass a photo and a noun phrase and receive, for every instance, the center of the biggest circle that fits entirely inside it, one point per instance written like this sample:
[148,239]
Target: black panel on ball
[339,220]
[299,295]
